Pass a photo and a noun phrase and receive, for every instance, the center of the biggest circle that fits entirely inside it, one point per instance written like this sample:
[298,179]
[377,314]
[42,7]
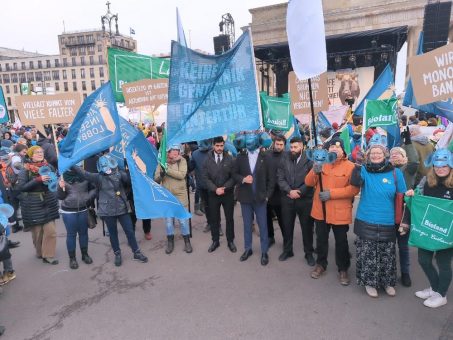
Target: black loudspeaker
[436,24]
[221,44]
[281,79]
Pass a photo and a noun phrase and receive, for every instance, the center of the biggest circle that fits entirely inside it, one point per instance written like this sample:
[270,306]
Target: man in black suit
[252,172]
[217,175]
[296,198]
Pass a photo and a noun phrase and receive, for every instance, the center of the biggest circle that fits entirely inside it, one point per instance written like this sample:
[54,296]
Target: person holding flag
[174,180]
[437,183]
[112,203]
[338,194]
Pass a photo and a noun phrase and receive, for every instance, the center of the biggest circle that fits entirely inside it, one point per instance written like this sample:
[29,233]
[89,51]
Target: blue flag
[381,85]
[127,133]
[3,108]
[443,108]
[212,96]
[151,200]
[95,128]
[292,132]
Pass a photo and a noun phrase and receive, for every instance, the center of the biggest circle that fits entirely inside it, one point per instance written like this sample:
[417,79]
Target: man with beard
[218,177]
[296,198]
[274,203]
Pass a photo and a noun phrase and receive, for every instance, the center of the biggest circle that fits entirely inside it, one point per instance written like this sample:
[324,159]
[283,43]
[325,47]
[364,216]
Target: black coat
[38,204]
[218,175]
[77,196]
[263,180]
[275,159]
[291,176]
[109,203]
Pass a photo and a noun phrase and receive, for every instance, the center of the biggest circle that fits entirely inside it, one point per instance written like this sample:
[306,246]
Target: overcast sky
[33,25]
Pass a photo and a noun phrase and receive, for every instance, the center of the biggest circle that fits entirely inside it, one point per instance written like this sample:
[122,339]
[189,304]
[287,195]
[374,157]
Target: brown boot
[317,272]
[344,278]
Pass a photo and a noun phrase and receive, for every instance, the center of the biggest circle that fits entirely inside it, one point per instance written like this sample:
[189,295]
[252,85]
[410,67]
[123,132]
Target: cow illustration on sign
[349,86]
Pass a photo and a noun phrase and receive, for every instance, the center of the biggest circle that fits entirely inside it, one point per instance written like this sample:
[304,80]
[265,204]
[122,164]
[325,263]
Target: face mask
[108,171]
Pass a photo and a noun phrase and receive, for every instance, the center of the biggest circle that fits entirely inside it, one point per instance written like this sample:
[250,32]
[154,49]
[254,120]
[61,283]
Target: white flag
[181,35]
[306,38]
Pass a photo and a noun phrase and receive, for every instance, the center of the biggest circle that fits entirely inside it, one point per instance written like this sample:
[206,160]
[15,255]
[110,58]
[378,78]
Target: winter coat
[196,163]
[76,196]
[38,205]
[336,178]
[174,180]
[291,176]
[112,199]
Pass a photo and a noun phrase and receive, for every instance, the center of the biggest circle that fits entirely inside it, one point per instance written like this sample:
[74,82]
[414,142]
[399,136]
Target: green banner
[431,222]
[276,112]
[4,117]
[380,112]
[127,67]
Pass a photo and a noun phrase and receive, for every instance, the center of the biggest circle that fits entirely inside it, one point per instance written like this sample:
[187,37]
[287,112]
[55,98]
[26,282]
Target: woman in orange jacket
[337,195]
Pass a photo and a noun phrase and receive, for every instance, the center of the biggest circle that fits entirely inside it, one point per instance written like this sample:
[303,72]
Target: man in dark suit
[217,175]
[252,172]
[296,198]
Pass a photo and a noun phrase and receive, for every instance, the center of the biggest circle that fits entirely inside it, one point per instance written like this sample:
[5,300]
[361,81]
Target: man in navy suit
[252,172]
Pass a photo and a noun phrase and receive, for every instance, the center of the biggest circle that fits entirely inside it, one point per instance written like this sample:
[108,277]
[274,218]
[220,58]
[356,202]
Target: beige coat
[175,180]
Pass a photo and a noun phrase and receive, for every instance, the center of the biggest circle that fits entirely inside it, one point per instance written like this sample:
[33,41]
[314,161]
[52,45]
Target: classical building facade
[392,21]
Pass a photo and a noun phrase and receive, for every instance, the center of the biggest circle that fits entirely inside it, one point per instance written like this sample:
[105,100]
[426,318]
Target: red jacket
[336,178]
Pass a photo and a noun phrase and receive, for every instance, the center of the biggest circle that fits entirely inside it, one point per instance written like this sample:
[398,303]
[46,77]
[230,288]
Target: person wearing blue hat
[112,204]
[437,183]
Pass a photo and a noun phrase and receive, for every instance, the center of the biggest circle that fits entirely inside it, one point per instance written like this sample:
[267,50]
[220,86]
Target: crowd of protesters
[273,180]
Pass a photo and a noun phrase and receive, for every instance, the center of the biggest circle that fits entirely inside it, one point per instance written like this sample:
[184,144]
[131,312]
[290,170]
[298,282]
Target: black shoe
[2,330]
[232,247]
[73,263]
[170,244]
[17,228]
[118,259]
[87,258]
[138,256]
[264,259]
[406,280]
[214,246]
[50,260]
[310,260]
[246,255]
[271,242]
[187,246]
[285,255]
[13,244]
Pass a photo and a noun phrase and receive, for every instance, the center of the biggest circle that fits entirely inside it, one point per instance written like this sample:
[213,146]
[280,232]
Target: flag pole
[321,188]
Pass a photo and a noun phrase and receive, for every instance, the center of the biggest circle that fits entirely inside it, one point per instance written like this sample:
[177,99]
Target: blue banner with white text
[212,96]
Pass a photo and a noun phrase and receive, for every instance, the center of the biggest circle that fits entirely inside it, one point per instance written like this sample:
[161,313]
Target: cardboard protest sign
[432,75]
[300,94]
[146,92]
[42,110]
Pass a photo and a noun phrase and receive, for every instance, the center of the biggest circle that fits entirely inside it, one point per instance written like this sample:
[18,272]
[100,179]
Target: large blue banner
[3,108]
[212,96]
[127,133]
[150,199]
[95,128]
